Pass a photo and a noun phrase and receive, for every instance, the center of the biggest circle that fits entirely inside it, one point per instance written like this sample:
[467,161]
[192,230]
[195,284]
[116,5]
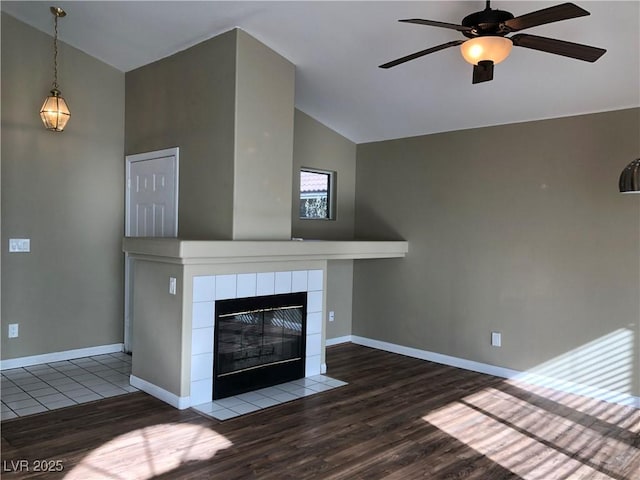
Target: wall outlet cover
[13,330]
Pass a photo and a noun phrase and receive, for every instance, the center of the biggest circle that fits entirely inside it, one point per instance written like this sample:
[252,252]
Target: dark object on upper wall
[488,44]
[630,178]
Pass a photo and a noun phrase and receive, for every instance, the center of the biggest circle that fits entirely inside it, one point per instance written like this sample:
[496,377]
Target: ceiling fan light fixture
[488,46]
[492,48]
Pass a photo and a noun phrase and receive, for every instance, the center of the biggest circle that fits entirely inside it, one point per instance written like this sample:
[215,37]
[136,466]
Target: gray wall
[157,330]
[228,104]
[187,100]
[264,142]
[317,146]
[516,228]
[64,191]
[339,297]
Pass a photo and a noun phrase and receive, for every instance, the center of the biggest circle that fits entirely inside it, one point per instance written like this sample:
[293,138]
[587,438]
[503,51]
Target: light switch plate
[496,339]
[332,316]
[172,285]
[21,245]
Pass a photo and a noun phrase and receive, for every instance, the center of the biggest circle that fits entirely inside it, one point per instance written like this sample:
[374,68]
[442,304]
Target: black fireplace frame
[259,376]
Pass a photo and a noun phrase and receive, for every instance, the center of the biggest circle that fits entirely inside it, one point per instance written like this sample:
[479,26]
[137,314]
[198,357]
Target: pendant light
[630,178]
[54,112]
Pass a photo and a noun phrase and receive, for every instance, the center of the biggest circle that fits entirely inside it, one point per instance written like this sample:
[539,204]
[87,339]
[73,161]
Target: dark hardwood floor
[399,418]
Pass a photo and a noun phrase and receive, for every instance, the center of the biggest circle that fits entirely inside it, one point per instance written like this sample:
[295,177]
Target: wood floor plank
[398,418]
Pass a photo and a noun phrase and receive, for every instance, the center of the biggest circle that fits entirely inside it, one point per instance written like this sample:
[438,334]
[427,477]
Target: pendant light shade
[630,178]
[55,112]
[485,48]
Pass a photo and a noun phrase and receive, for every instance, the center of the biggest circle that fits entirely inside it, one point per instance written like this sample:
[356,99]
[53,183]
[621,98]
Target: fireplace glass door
[259,341]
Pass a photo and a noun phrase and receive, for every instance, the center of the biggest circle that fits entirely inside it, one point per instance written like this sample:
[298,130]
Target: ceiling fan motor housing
[487,22]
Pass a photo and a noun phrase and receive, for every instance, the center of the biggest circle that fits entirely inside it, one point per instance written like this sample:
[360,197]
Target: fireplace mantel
[175,250]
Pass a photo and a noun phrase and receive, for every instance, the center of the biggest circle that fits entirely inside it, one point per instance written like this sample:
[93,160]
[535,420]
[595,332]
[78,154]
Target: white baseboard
[160,393]
[338,340]
[528,377]
[437,357]
[60,356]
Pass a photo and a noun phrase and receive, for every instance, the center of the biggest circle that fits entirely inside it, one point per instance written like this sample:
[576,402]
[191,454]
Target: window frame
[331,193]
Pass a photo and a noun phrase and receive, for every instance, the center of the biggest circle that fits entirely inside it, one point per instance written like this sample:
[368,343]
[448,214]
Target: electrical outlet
[13,330]
[496,339]
[172,285]
[332,316]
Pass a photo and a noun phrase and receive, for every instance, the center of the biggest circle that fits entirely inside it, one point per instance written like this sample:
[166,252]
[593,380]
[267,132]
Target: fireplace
[209,290]
[258,342]
[175,354]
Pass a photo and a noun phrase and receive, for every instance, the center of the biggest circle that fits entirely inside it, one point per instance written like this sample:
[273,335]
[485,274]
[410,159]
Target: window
[316,194]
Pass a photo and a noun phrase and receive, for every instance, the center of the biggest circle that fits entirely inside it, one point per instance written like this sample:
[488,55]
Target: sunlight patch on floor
[162,448]
[550,422]
[535,443]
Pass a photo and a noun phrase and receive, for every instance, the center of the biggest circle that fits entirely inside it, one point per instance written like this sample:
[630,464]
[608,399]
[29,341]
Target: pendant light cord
[55,52]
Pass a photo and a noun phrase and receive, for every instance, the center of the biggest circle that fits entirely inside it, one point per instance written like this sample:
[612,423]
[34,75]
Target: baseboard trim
[60,356]
[338,340]
[528,377]
[160,393]
[436,357]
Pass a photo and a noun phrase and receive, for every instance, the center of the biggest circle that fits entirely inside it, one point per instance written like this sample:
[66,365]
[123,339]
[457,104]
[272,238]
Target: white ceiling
[337,47]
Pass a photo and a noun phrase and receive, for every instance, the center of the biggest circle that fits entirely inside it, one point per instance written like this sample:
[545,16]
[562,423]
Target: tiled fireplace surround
[209,288]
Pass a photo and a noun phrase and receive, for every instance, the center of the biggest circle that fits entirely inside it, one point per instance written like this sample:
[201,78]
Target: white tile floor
[235,406]
[40,388]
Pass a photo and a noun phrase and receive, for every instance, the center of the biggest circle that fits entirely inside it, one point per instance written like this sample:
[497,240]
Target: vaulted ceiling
[337,47]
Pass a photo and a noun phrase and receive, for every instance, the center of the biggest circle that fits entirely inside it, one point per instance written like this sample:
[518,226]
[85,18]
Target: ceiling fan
[488,44]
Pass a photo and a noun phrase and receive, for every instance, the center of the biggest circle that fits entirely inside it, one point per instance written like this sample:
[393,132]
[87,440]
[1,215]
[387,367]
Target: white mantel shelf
[175,250]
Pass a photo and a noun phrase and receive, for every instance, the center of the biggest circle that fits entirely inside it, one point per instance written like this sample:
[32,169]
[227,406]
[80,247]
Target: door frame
[128,261]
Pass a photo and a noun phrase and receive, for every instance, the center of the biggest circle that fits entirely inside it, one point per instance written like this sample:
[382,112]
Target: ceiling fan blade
[483,72]
[558,47]
[421,53]
[546,15]
[433,23]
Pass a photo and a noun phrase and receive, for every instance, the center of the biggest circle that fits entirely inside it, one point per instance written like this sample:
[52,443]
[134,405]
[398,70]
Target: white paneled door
[152,194]
[151,210]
